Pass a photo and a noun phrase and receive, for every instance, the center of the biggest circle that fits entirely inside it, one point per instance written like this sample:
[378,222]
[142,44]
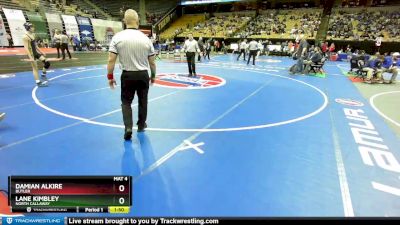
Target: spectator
[76,43]
[316,57]
[331,49]
[10,41]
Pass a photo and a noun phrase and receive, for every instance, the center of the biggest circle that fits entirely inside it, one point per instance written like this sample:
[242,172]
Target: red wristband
[110,76]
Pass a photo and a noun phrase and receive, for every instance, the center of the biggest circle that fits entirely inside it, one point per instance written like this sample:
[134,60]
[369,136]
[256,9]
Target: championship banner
[54,22]
[40,25]
[85,28]
[3,36]
[104,30]
[16,20]
[71,26]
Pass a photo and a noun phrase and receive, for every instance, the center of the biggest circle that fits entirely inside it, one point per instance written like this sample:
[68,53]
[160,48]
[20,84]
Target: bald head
[131,18]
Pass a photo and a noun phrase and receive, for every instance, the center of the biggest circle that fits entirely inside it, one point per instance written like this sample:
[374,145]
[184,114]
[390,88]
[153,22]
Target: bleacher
[87,9]
[153,8]
[283,24]
[365,23]
[114,7]
[183,24]
[220,26]
[13,4]
[46,6]
[160,6]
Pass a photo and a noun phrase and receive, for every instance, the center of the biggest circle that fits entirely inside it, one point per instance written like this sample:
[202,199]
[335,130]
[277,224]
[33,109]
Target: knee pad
[46,64]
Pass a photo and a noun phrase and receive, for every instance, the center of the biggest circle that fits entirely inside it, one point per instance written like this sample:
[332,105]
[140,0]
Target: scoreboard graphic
[93,194]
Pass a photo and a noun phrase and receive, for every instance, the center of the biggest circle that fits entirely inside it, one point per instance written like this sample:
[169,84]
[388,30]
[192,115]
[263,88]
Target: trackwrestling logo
[182,81]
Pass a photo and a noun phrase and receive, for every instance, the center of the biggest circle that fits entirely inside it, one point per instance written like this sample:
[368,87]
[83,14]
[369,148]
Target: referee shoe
[128,134]
[141,128]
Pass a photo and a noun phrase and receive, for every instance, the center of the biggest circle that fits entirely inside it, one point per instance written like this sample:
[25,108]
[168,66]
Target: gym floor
[236,141]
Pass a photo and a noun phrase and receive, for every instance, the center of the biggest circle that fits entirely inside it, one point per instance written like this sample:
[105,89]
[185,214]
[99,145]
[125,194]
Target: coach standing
[136,54]
[191,47]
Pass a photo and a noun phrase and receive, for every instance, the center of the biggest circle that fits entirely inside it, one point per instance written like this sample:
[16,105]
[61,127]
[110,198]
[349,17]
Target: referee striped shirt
[133,48]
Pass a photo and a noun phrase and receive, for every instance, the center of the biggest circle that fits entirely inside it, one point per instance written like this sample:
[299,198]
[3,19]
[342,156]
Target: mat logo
[373,150]
[182,81]
[9,220]
[349,102]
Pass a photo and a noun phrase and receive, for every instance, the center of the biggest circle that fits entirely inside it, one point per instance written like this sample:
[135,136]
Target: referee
[191,47]
[136,54]
[253,48]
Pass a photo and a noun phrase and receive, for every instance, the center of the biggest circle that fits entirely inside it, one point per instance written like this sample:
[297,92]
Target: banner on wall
[16,20]
[85,28]
[40,25]
[54,22]
[3,34]
[71,26]
[104,30]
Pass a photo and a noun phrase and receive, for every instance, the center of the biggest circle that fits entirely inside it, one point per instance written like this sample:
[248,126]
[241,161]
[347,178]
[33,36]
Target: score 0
[121,188]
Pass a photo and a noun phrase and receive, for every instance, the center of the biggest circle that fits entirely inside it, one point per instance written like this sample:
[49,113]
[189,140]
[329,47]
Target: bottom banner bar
[45,220]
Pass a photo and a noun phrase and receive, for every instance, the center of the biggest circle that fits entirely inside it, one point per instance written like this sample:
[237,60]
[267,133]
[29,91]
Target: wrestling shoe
[42,84]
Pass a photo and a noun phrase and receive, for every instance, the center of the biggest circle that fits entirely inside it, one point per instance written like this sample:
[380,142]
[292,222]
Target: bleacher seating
[182,24]
[365,23]
[13,4]
[87,9]
[283,24]
[114,7]
[154,9]
[160,6]
[220,26]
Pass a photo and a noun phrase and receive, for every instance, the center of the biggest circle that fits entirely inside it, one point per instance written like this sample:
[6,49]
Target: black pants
[242,51]
[199,55]
[131,82]
[58,46]
[63,48]
[254,54]
[207,55]
[190,57]
[10,43]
